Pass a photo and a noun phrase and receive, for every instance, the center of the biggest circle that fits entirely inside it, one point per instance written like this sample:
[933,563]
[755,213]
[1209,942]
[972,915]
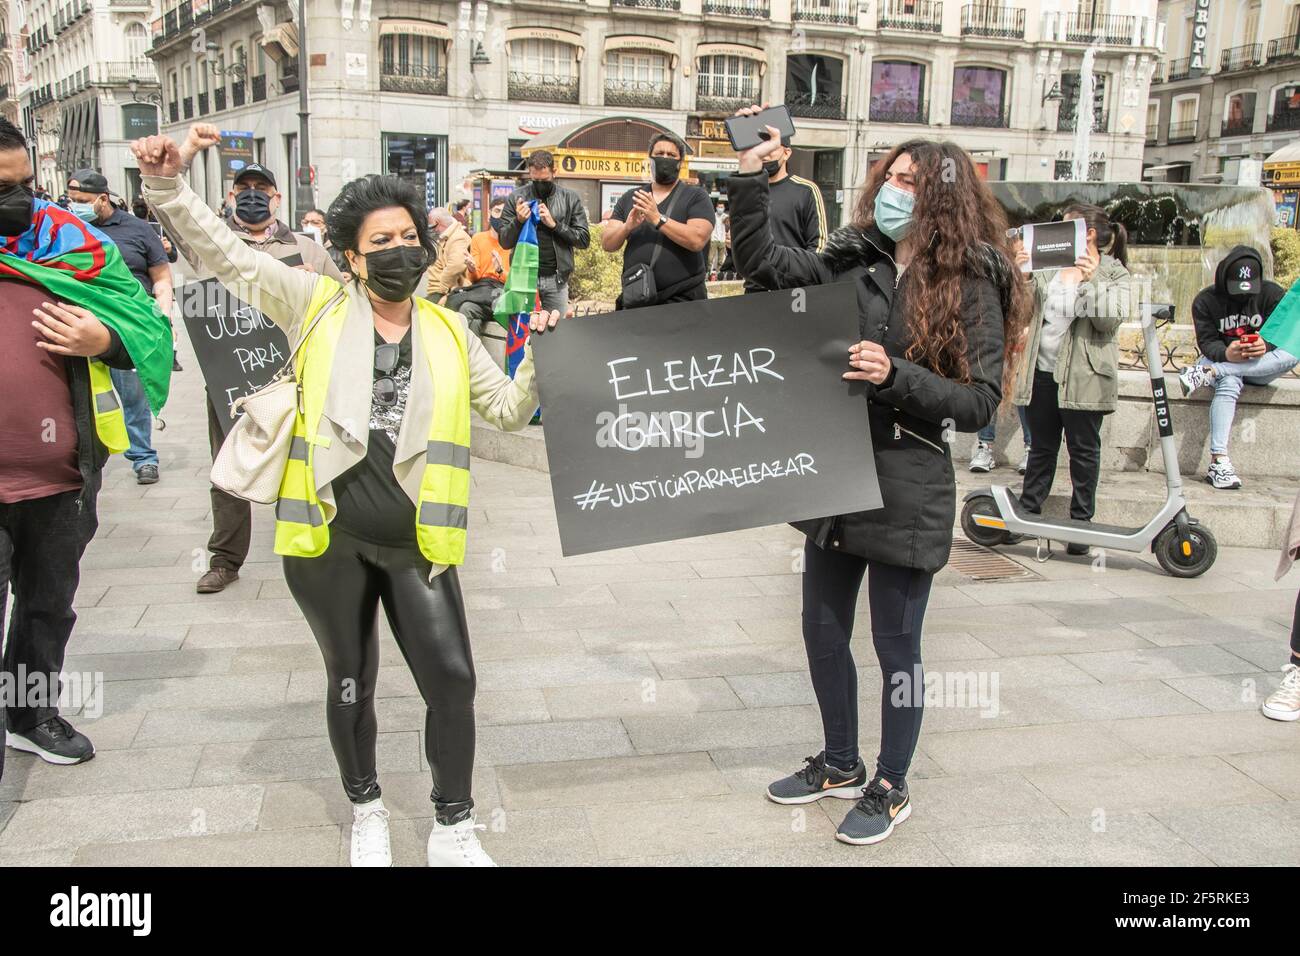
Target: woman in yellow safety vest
[373,504]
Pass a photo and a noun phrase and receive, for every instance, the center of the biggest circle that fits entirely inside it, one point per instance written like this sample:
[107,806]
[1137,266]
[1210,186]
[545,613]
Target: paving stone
[1127,840]
[1229,732]
[113,771]
[231,611]
[1019,641]
[725,728]
[249,634]
[563,671]
[662,637]
[179,693]
[320,802]
[556,740]
[71,822]
[306,846]
[558,836]
[616,780]
[125,640]
[215,725]
[729,661]
[1261,833]
[979,800]
[149,664]
[1228,691]
[971,751]
[1157,663]
[263,761]
[1209,631]
[647,697]
[1278,770]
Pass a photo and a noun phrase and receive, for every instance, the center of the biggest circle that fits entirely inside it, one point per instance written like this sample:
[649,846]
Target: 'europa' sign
[700,417]
[1200,38]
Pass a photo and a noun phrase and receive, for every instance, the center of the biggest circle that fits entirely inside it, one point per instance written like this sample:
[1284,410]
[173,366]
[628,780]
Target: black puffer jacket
[916,413]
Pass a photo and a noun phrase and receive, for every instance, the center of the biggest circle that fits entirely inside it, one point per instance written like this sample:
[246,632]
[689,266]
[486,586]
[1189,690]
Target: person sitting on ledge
[1228,316]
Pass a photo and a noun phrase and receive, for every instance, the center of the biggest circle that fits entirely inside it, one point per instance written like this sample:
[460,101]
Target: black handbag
[639,287]
[482,293]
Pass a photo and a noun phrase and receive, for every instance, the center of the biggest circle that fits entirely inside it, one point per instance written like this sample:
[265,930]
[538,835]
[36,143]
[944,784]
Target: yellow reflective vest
[442,508]
[110,422]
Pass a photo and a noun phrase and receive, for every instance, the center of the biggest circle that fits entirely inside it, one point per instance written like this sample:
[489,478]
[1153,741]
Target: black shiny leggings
[340,593]
[897,597]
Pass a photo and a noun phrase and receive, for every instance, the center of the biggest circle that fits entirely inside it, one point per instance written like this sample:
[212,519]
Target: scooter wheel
[1185,561]
[985,537]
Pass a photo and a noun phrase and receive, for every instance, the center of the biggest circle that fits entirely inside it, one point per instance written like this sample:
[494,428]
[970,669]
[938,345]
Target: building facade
[90,86]
[436,90]
[1227,94]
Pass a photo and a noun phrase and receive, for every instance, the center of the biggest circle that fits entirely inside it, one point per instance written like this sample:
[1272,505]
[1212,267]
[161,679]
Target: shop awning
[415,28]
[281,41]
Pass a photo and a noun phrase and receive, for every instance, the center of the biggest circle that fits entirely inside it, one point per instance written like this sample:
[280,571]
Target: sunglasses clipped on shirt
[387,356]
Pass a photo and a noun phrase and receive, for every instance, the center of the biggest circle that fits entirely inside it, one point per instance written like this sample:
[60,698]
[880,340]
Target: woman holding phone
[940,311]
[1070,376]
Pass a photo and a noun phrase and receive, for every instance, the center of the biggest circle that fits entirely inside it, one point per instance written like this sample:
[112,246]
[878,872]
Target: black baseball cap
[1244,275]
[255,169]
[88,181]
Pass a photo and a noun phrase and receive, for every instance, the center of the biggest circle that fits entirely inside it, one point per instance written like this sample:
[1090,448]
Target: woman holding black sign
[373,502]
[1070,376]
[940,311]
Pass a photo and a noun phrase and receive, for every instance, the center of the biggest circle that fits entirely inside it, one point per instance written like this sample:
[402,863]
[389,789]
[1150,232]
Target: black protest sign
[239,349]
[1055,245]
[700,417]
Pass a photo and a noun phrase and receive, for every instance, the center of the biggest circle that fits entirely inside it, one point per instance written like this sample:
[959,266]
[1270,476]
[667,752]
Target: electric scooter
[1185,548]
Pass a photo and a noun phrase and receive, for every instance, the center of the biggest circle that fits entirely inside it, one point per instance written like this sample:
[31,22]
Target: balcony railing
[901,114]
[405,78]
[238,91]
[173,112]
[650,4]
[124,71]
[187,107]
[921,16]
[259,88]
[982,119]
[1109,29]
[1242,127]
[646,93]
[735,98]
[203,104]
[1284,48]
[219,99]
[1241,58]
[289,79]
[1181,132]
[1179,69]
[1285,120]
[825,11]
[1153,132]
[1003,23]
[541,88]
[750,9]
[1157,72]
[821,107]
[185,16]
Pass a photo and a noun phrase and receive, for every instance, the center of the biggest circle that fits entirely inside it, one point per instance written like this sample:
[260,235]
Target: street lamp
[134,86]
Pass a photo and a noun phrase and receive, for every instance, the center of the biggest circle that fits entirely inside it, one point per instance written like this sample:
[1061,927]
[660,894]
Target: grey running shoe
[54,741]
[147,475]
[981,459]
[874,817]
[817,779]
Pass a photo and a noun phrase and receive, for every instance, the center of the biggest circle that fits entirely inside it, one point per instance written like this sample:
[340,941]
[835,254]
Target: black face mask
[394,274]
[495,223]
[667,169]
[15,210]
[543,188]
[772,167]
[253,207]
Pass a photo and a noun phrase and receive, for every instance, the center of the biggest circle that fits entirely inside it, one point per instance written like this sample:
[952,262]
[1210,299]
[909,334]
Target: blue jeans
[1228,379]
[990,431]
[139,420]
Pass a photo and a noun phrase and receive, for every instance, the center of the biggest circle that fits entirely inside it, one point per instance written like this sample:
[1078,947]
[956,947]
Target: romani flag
[77,263]
[519,298]
[1283,327]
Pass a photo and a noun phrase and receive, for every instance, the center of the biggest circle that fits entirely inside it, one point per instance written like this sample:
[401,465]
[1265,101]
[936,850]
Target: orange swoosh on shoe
[893,811]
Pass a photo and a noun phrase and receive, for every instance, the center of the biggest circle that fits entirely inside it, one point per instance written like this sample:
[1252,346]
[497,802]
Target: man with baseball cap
[254,200]
[1228,316]
[91,200]
[797,213]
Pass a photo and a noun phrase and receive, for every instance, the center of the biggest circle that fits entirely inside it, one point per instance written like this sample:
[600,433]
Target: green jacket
[1087,365]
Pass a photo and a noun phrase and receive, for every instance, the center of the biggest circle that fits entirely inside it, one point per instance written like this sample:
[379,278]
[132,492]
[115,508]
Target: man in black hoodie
[1228,316]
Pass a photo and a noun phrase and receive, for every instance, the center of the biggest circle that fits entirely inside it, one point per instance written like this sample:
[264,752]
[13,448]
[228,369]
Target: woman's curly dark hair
[954,218]
[359,198]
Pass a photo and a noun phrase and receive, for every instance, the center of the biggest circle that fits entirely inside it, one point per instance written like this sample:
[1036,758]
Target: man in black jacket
[1228,316]
[49,478]
[562,229]
[797,212]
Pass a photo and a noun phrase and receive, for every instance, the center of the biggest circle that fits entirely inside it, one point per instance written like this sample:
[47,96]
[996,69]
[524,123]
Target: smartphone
[746,132]
[157,227]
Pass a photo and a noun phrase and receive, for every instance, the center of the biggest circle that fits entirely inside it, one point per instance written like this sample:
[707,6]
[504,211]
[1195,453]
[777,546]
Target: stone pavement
[632,705]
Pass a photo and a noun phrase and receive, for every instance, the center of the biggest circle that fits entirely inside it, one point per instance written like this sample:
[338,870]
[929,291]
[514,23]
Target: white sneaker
[981,458]
[1284,703]
[1222,475]
[457,845]
[370,845]
[1024,463]
[1193,377]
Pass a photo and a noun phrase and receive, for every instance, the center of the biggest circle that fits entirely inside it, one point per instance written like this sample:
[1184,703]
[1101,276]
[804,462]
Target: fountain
[1083,117]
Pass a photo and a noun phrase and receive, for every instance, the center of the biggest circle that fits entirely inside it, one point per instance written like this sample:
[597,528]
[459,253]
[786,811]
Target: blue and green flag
[519,298]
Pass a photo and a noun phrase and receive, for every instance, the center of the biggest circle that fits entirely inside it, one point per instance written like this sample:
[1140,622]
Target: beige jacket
[449,268]
[282,293]
[1290,543]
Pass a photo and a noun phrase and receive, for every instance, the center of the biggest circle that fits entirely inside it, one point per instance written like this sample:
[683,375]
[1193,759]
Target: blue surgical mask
[85,211]
[893,211]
